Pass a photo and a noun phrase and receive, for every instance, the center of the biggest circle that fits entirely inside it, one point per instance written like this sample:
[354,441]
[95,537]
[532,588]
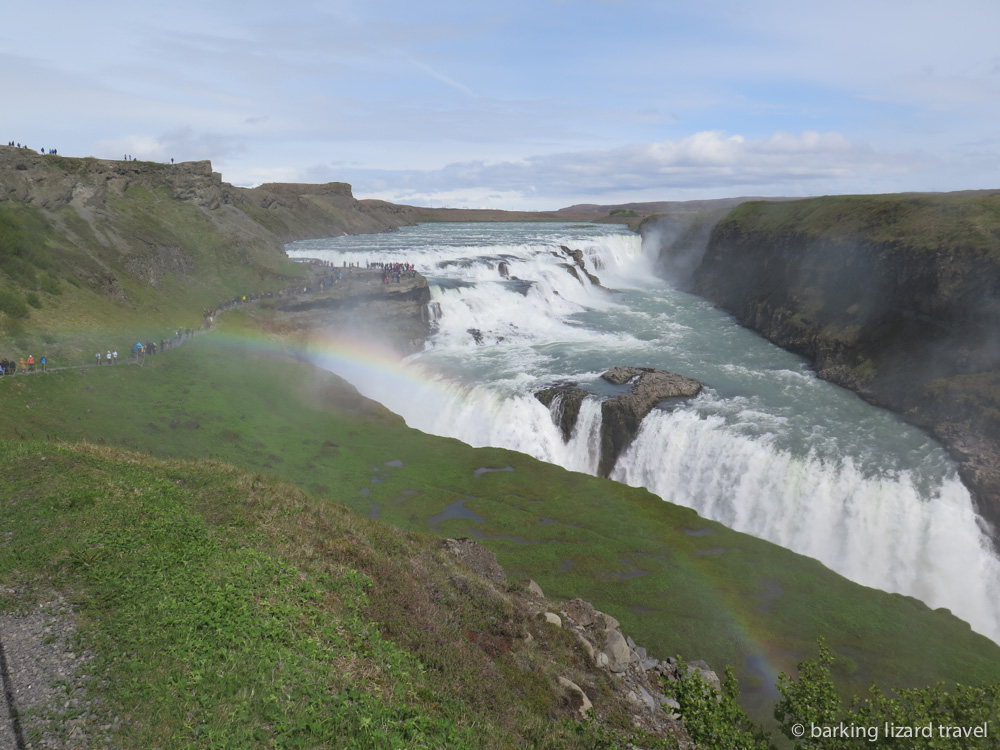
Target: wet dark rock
[563,402]
[577,256]
[622,415]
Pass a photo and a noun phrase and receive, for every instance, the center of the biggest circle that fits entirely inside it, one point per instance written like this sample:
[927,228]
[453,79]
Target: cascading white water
[768,449]
[880,531]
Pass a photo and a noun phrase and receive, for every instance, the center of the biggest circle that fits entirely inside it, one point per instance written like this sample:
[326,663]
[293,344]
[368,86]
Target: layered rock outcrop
[396,315]
[894,297]
[621,415]
[615,673]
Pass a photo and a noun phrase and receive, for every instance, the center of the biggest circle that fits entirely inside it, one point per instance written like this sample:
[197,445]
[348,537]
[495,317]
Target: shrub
[715,721]
[50,284]
[12,304]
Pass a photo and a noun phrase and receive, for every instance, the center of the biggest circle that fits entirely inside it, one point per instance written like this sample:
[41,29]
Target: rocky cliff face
[681,233]
[636,676]
[111,220]
[52,182]
[894,297]
[394,315]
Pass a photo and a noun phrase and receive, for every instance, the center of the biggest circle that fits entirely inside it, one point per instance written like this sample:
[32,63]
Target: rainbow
[363,361]
[360,362]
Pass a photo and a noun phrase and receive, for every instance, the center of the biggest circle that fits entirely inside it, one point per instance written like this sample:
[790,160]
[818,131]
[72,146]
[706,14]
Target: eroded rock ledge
[621,415]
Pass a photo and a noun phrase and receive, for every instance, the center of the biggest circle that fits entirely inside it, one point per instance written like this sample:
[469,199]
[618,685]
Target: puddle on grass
[638,609]
[565,566]
[485,470]
[771,593]
[697,532]
[396,464]
[546,521]
[374,511]
[456,510]
[406,494]
[516,539]
[365,491]
[633,571]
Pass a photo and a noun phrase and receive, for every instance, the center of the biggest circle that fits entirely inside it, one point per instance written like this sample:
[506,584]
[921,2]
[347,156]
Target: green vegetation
[24,245]
[624,213]
[232,611]
[949,222]
[813,715]
[619,547]
[714,719]
[180,264]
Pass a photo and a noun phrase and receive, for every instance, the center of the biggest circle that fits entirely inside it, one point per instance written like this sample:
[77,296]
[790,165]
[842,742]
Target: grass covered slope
[678,583]
[229,610]
[92,248]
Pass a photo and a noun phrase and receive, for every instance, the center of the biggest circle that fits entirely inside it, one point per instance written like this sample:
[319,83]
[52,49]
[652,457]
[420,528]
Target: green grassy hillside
[92,249]
[677,582]
[230,610]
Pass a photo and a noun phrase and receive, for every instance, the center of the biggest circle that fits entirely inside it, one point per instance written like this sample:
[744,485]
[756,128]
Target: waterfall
[767,449]
[880,531]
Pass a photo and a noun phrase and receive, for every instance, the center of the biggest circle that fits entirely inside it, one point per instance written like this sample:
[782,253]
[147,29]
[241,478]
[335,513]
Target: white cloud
[705,161]
[525,99]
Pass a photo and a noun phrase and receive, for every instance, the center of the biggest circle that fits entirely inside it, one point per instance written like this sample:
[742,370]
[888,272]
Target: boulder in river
[622,415]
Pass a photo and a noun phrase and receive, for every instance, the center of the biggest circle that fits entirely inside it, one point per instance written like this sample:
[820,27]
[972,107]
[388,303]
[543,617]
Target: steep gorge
[894,297]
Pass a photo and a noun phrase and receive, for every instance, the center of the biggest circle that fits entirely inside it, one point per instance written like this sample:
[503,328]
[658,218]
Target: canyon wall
[895,297]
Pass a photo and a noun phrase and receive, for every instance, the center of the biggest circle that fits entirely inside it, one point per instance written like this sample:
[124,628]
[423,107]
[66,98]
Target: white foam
[768,450]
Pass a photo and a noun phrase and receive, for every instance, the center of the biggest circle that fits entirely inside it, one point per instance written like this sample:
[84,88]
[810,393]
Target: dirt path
[45,673]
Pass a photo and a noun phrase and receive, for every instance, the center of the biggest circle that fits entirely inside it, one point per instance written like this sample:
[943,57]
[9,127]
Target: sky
[520,104]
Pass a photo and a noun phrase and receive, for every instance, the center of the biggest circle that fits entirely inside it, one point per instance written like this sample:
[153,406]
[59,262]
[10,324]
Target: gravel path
[47,676]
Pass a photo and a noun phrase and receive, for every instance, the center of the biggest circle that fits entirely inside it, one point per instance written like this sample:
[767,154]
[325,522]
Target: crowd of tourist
[55,152]
[41,150]
[11,366]
[331,275]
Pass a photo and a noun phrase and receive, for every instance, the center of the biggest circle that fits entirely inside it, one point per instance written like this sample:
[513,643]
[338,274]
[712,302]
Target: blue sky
[520,104]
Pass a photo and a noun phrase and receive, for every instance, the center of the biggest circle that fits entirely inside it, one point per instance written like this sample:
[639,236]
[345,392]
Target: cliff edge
[895,297]
[129,241]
